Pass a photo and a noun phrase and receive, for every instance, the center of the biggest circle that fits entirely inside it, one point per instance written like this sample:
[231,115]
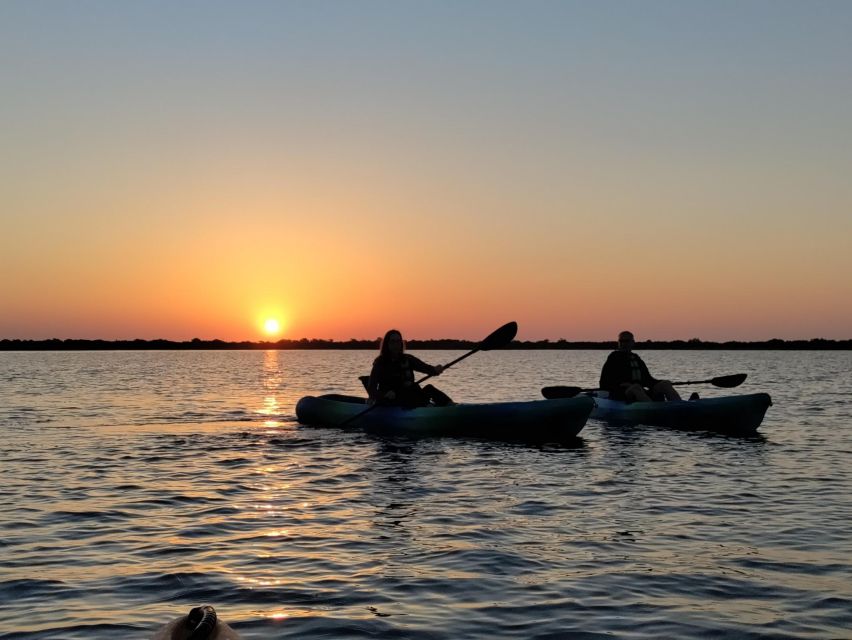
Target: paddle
[499,338]
[725,382]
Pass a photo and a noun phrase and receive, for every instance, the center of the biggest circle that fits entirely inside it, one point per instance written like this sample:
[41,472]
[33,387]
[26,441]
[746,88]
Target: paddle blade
[729,382]
[552,393]
[500,338]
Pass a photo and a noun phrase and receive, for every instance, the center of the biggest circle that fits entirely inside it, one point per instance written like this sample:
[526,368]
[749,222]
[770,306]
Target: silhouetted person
[625,376]
[392,378]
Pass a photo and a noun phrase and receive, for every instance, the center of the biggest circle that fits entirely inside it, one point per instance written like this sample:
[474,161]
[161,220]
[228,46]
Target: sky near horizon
[192,169]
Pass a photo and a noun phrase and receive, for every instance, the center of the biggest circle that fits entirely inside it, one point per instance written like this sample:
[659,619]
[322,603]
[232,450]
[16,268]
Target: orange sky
[344,175]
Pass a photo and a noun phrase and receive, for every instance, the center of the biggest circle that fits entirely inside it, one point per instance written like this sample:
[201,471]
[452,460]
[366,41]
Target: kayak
[739,415]
[550,420]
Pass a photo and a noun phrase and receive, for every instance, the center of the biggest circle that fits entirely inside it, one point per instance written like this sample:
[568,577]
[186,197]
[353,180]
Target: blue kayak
[739,415]
[547,420]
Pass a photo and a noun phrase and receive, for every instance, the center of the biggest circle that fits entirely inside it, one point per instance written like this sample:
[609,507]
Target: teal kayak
[740,415]
[548,420]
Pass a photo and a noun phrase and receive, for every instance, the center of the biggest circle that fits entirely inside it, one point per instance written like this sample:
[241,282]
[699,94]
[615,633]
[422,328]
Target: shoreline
[72,344]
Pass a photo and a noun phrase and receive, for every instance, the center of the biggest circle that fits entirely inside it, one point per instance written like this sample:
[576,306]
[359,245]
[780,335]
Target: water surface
[136,485]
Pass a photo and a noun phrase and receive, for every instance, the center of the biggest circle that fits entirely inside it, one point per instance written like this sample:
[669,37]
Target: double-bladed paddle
[725,382]
[499,338]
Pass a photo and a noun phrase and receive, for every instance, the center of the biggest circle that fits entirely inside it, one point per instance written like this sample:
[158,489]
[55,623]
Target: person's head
[392,344]
[625,341]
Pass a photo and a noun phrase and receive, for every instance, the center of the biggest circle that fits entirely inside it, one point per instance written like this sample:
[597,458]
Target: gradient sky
[188,169]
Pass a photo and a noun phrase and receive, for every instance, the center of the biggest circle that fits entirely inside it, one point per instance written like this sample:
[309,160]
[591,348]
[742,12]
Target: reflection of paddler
[200,624]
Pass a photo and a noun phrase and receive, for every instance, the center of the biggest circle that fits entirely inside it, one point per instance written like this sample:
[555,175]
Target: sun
[272,326]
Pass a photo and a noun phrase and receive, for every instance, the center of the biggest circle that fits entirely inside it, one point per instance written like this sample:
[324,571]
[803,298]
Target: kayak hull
[550,420]
[738,415]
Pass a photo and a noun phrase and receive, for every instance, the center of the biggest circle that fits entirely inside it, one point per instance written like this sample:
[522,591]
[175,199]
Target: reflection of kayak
[201,624]
[729,414]
[532,420]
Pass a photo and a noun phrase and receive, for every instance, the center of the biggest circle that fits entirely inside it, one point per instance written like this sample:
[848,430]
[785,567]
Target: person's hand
[439,369]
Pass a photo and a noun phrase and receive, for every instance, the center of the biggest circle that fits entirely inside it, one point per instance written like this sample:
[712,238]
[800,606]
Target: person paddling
[392,377]
[626,377]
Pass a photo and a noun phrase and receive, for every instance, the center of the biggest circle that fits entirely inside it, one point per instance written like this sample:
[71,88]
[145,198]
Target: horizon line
[84,344]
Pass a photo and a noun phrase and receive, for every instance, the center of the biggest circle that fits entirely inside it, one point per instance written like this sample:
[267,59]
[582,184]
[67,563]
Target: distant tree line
[73,344]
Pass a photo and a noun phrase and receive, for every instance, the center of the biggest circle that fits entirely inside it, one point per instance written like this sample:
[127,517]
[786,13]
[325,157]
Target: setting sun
[271,326]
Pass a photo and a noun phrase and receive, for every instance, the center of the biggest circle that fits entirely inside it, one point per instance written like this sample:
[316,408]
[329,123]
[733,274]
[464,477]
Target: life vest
[395,374]
[635,369]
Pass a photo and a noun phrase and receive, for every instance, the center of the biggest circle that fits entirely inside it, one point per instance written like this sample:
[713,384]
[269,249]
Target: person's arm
[418,365]
[647,379]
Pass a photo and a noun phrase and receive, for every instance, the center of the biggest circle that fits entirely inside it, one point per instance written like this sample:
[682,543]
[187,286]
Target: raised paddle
[499,338]
[725,382]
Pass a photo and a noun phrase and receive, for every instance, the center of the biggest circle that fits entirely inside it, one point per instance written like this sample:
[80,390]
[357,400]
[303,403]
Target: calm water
[138,484]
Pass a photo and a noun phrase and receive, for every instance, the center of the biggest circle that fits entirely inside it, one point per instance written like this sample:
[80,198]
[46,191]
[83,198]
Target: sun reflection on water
[271,378]
[270,406]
